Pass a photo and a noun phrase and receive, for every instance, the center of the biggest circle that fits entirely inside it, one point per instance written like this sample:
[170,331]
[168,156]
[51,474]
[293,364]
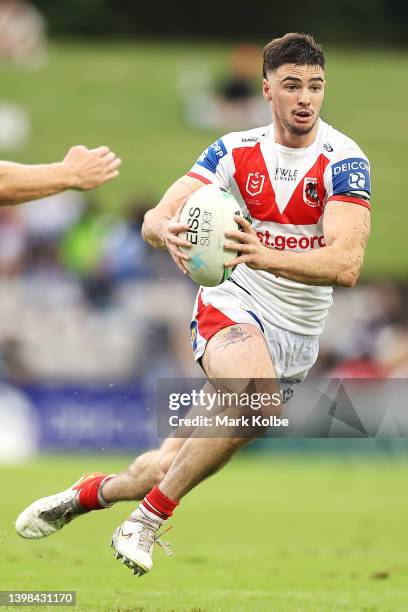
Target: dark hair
[293,48]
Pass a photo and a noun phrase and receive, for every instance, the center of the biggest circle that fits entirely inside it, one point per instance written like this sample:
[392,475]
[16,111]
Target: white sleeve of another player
[215,164]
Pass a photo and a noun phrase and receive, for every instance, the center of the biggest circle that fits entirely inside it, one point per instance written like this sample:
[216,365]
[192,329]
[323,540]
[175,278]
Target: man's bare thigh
[238,351]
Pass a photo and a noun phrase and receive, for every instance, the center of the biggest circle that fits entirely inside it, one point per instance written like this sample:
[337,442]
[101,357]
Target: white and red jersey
[285,191]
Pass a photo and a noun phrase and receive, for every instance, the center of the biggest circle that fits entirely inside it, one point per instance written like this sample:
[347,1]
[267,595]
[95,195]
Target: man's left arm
[346,227]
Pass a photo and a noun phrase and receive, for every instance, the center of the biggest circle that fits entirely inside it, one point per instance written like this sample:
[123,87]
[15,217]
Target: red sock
[158,503]
[88,488]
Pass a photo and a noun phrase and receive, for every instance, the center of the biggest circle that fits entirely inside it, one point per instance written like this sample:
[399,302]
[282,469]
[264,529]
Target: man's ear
[266,90]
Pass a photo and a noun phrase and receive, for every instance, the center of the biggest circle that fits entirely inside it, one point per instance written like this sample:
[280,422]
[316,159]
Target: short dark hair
[293,48]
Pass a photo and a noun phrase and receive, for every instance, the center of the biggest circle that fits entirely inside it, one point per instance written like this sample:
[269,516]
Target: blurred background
[91,317]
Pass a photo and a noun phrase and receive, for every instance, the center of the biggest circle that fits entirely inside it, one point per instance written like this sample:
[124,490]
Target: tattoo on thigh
[232,336]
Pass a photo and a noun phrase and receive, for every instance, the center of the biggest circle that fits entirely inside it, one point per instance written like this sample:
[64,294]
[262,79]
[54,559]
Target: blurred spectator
[239,101]
[15,126]
[12,242]
[47,282]
[126,255]
[366,333]
[22,33]
[22,42]
[240,84]
[98,289]
[232,104]
[49,218]
[83,244]
[82,251]
[13,365]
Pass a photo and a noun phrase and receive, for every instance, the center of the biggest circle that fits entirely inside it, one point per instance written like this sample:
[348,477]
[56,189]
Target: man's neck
[285,138]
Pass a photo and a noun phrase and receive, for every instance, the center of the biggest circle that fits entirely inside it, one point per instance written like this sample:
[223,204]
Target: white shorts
[229,304]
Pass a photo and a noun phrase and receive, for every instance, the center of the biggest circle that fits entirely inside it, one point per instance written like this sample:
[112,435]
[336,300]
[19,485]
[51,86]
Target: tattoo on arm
[233,335]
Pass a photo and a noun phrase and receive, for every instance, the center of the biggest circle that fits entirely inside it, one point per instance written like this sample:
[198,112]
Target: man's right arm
[161,224]
[168,209]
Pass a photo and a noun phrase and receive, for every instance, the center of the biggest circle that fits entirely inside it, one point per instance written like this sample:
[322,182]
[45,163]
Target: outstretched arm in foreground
[81,168]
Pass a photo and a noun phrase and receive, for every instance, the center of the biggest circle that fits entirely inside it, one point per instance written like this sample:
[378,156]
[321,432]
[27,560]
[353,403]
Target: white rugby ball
[209,213]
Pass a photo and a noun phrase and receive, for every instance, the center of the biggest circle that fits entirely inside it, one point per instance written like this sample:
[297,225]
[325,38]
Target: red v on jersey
[305,205]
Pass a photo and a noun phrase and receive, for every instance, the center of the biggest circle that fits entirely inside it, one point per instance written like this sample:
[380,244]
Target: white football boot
[49,514]
[134,540]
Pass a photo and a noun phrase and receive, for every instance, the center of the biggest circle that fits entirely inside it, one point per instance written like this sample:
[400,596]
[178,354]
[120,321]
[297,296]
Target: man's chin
[301,130]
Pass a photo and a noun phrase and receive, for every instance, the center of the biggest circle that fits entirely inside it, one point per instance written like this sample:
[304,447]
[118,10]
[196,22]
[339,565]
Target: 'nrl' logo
[255,183]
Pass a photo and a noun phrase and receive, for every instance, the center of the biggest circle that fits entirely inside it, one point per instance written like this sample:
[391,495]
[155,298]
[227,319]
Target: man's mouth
[303,114]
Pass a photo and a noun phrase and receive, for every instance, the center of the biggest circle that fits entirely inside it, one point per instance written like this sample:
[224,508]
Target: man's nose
[304,97]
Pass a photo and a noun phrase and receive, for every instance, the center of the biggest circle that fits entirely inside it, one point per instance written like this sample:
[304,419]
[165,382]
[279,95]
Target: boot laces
[164,545]
[148,537]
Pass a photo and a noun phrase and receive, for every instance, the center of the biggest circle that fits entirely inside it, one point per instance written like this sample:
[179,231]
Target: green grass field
[125,95]
[268,534]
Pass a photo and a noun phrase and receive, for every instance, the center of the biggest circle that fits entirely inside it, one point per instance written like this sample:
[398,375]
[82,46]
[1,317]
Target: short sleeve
[347,178]
[213,165]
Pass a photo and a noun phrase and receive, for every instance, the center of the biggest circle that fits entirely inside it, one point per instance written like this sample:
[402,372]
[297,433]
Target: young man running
[306,187]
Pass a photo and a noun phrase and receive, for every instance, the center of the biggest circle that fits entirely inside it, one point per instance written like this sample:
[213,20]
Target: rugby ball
[209,213]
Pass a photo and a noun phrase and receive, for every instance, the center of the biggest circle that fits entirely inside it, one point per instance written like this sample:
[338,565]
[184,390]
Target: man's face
[296,94]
